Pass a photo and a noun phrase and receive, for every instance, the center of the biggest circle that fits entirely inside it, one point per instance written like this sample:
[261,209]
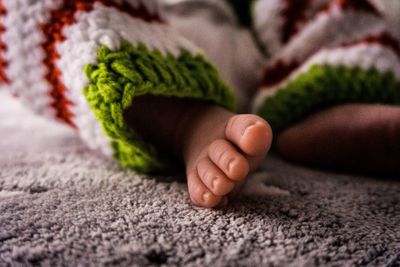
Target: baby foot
[219,148]
[218,161]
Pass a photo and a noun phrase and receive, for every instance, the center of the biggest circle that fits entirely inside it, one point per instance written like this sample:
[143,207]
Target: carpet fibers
[61,204]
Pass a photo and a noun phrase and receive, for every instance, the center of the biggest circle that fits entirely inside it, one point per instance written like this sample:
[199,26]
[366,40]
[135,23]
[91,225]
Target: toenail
[206,196]
[231,164]
[249,127]
[214,183]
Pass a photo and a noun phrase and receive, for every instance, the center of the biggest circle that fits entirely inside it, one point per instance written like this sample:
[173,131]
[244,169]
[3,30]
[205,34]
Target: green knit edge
[243,11]
[119,76]
[324,86]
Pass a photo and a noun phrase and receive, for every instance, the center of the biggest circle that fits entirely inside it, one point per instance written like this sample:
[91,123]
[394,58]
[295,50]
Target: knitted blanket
[84,62]
[61,204]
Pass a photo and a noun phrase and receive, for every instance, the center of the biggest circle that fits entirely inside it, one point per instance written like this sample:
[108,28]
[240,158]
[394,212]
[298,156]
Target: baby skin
[218,147]
[357,138]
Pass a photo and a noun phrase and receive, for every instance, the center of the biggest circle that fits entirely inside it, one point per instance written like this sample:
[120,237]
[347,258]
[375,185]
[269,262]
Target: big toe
[250,133]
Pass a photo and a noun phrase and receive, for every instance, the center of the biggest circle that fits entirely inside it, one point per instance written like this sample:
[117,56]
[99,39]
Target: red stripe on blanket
[294,13]
[384,39]
[3,47]
[281,70]
[53,30]
[359,5]
[278,72]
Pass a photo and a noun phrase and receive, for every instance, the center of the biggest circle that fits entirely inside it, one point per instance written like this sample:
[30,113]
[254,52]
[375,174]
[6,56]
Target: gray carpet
[60,204]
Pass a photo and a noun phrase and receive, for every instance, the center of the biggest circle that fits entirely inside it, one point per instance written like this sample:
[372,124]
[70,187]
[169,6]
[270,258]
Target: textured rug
[61,204]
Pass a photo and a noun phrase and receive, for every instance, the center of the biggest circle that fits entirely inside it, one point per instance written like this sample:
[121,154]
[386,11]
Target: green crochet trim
[323,86]
[121,75]
[243,10]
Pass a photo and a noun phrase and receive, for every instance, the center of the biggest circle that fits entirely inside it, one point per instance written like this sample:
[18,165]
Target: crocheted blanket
[61,204]
[84,62]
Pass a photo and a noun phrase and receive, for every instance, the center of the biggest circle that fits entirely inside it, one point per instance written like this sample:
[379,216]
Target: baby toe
[226,157]
[212,177]
[199,193]
[250,133]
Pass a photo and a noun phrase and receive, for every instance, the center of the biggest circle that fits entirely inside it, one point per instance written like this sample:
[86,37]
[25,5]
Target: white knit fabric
[102,25]
[330,29]
[269,21]
[24,54]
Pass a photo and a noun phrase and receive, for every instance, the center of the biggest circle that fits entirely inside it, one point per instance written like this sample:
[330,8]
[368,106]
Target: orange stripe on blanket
[53,30]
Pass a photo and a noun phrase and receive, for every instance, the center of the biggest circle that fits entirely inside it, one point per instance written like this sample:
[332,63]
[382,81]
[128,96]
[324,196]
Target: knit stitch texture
[334,52]
[131,71]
